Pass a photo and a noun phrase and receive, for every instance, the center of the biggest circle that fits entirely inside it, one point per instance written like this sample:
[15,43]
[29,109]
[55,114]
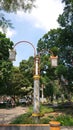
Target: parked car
[22,100]
[25,100]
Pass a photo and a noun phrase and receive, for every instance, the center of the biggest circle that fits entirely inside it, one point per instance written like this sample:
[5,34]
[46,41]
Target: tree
[4,23]
[49,41]
[47,72]
[26,69]
[21,84]
[11,6]
[5,64]
[5,44]
[56,38]
[14,5]
[66,18]
[17,81]
[66,22]
[61,38]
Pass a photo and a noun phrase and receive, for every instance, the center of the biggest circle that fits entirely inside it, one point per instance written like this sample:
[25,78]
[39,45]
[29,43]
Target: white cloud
[10,33]
[45,15]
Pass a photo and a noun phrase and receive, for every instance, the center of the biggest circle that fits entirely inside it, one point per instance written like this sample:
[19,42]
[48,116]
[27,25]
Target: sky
[32,26]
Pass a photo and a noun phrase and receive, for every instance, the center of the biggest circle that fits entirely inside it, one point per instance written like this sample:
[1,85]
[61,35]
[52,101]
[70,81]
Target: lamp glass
[54,61]
[12,55]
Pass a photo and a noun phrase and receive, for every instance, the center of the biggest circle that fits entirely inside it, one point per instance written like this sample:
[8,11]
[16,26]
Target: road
[7,115]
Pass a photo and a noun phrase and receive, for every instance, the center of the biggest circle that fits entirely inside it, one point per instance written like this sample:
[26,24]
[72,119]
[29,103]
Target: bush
[65,120]
[23,119]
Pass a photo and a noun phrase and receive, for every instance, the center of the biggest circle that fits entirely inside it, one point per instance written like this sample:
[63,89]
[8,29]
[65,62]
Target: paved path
[7,115]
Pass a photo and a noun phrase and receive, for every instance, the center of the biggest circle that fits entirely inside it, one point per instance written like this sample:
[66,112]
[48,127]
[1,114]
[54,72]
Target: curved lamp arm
[12,53]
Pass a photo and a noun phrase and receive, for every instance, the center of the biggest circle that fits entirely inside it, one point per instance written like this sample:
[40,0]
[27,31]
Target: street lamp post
[36,102]
[36,77]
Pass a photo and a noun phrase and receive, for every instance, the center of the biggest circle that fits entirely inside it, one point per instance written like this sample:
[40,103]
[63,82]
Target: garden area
[62,113]
[35,77]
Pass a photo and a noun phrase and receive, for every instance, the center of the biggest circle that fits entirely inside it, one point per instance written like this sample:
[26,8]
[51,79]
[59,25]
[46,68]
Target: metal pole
[36,108]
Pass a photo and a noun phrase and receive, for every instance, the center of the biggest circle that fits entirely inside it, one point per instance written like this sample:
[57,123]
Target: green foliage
[5,44]
[45,120]
[47,46]
[48,41]
[14,5]
[28,119]
[26,68]
[61,70]
[60,42]
[4,23]
[65,120]
[55,50]
[67,17]
[23,119]
[45,109]
[20,83]
[5,64]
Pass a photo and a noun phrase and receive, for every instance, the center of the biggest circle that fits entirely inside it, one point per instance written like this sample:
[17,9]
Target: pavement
[7,115]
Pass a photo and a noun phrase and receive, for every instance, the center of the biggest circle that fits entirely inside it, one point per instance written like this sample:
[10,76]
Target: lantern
[54,61]
[12,55]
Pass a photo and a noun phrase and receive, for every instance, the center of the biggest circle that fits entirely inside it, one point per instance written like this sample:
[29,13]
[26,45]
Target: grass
[24,119]
[65,119]
[45,109]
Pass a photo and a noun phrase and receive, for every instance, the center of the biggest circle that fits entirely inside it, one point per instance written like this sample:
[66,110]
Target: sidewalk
[67,128]
[7,115]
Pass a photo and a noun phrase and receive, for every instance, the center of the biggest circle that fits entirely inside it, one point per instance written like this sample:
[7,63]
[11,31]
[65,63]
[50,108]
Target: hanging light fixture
[54,61]
[12,55]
